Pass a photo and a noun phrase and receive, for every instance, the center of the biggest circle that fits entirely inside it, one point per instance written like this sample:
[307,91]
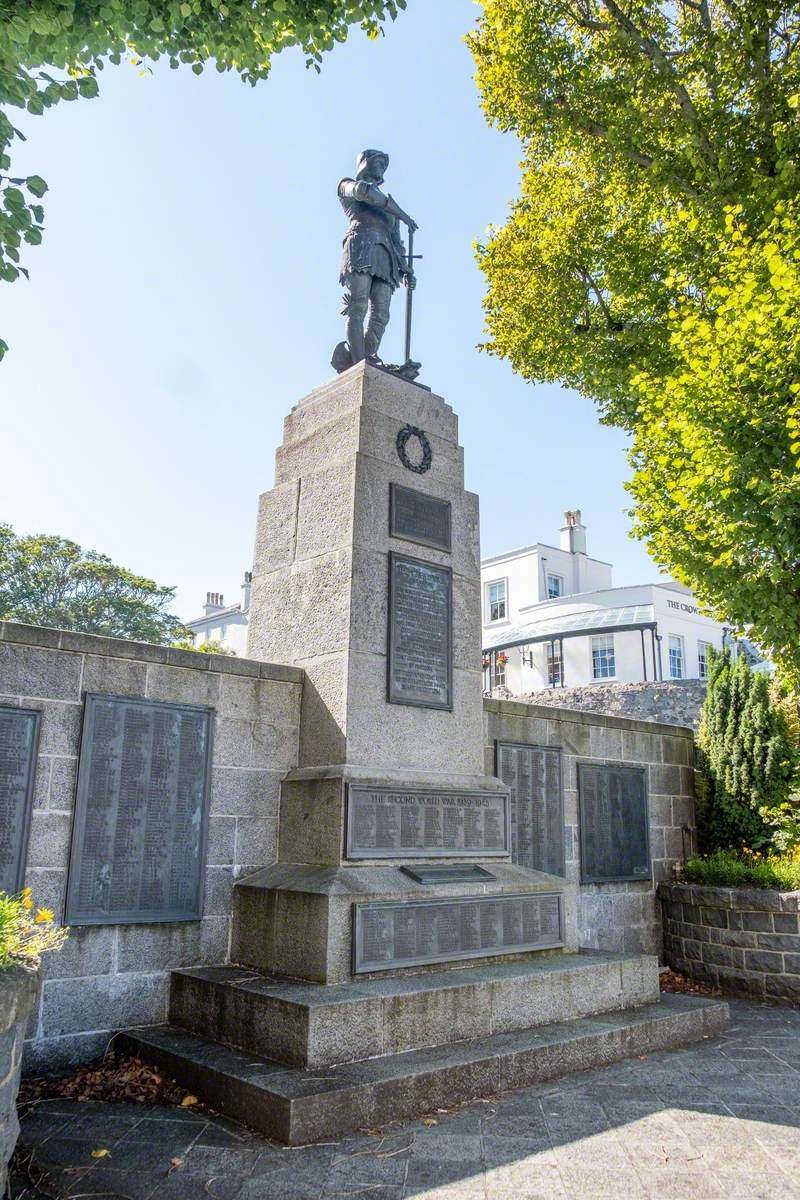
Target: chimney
[247,584]
[213,602]
[573,533]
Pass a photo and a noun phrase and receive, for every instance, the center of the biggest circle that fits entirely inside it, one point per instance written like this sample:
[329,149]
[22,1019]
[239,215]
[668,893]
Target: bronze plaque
[533,773]
[418,517]
[413,823]
[420,659]
[19,737]
[614,823]
[141,813]
[408,933]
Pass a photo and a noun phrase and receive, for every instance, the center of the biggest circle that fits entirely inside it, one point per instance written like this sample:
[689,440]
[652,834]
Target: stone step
[296,1106]
[313,1025]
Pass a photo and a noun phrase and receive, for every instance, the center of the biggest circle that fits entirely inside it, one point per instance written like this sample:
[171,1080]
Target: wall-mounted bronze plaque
[141,813]
[413,823]
[19,738]
[418,517]
[420,660]
[408,933]
[614,823]
[533,773]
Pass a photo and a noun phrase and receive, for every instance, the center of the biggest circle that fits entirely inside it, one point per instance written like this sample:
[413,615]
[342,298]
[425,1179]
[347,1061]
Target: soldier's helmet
[364,158]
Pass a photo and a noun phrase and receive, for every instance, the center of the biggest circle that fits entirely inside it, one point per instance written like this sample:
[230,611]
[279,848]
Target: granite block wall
[673,701]
[110,976]
[739,939]
[624,915]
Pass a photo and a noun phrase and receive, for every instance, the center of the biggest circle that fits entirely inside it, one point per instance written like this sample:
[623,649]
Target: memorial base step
[313,1025]
[296,1106]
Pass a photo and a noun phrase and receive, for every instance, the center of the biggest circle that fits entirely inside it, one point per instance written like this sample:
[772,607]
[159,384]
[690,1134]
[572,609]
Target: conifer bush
[748,762]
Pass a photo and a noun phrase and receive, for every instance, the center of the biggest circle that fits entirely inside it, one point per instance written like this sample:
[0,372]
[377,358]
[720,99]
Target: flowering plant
[502,658]
[486,661]
[26,932]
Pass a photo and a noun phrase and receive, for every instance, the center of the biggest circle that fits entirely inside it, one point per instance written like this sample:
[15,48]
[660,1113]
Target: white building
[224,624]
[551,618]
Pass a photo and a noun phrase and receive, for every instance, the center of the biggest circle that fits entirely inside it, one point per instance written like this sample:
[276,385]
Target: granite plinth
[311,1025]
[296,920]
[314,809]
[297,1106]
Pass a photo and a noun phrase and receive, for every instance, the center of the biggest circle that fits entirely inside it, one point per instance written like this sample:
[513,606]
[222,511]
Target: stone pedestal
[367,575]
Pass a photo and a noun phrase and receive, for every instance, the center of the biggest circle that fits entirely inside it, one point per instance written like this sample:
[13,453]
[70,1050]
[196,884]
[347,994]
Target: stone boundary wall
[18,989]
[625,915]
[739,939]
[111,976]
[674,701]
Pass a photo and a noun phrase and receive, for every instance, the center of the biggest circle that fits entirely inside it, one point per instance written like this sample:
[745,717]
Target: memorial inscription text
[19,732]
[420,665]
[138,838]
[412,932]
[533,773]
[385,823]
[614,823]
[418,517]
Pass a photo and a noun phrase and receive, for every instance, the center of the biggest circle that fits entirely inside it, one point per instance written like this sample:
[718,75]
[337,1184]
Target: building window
[496,600]
[702,659]
[603,662]
[555,586]
[555,669]
[675,657]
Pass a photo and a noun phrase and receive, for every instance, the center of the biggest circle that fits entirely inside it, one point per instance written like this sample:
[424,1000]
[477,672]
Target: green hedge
[728,869]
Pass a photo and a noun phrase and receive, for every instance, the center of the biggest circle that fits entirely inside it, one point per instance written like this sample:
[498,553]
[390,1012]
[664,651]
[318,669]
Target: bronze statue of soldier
[374,262]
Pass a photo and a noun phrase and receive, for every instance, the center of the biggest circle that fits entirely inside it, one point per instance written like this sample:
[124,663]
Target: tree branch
[651,50]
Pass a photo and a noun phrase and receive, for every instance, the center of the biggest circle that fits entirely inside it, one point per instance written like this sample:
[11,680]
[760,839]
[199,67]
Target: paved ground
[720,1119]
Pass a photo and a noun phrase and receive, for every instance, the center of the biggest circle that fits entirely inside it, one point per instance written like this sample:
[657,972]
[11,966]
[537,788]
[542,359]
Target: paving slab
[622,1131]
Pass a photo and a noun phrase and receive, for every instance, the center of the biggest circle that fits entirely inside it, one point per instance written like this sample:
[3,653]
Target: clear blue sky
[186,295]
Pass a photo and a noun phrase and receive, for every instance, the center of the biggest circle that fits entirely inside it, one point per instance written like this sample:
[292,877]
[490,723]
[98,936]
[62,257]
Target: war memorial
[331,884]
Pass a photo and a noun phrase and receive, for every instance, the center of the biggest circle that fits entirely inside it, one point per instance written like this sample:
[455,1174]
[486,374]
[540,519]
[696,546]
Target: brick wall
[740,939]
[110,976]
[625,915]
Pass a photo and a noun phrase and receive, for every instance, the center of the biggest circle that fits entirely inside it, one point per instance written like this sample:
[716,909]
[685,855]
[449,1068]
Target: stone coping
[549,712]
[741,899]
[171,656]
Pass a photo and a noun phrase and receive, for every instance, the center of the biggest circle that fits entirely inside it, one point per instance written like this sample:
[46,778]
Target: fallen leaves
[108,1078]
[673,981]
[101,1153]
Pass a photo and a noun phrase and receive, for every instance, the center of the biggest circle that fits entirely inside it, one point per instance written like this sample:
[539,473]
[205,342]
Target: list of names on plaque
[409,933]
[533,773]
[418,517]
[614,823]
[19,728]
[384,823]
[420,633]
[138,839]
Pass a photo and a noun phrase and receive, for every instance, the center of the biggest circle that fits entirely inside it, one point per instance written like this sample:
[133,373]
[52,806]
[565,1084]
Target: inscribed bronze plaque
[418,517]
[408,933]
[420,660]
[449,873]
[393,823]
[141,812]
[614,823]
[533,773]
[19,736]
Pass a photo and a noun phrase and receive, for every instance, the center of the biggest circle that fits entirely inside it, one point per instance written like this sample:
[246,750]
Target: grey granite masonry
[619,916]
[741,939]
[111,976]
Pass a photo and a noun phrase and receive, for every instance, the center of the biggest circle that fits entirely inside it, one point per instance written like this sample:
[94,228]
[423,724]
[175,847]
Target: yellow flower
[44,916]
[27,902]
[26,891]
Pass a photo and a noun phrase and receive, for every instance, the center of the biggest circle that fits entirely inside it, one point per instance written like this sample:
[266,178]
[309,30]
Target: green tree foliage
[651,262]
[205,647]
[52,50]
[47,580]
[747,759]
